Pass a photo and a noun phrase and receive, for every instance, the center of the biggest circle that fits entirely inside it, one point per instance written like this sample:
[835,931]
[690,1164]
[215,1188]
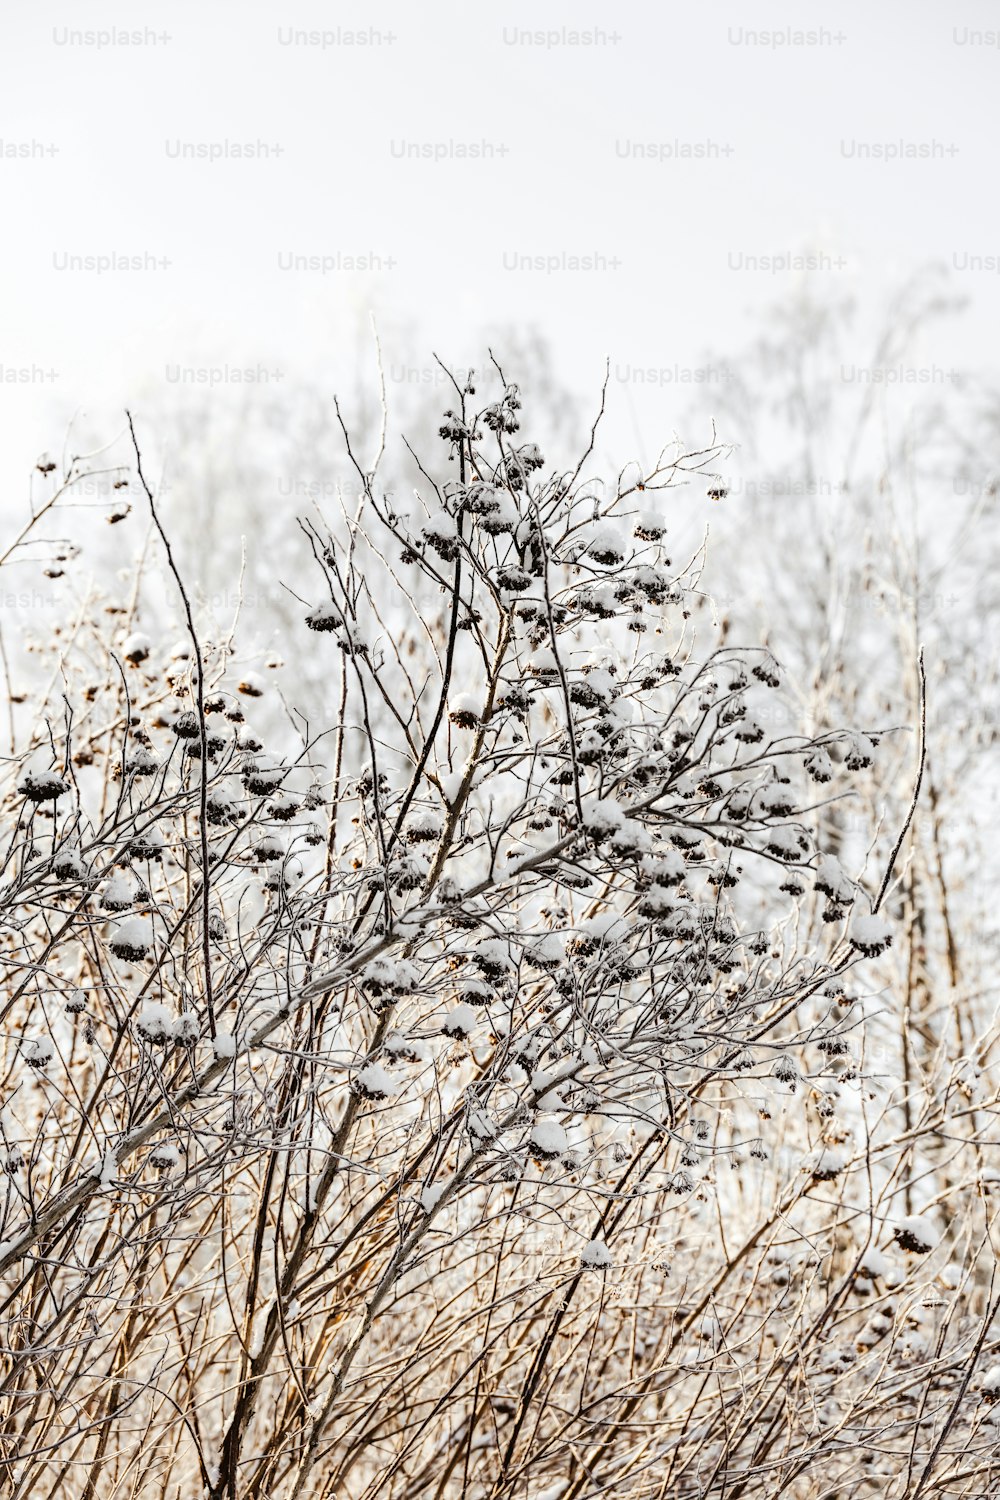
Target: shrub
[520,949]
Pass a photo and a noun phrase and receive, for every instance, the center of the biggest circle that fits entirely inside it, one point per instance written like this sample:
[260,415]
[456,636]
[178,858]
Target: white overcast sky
[908,71]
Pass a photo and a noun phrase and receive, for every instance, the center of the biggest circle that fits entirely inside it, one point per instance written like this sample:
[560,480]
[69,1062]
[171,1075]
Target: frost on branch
[596,1255]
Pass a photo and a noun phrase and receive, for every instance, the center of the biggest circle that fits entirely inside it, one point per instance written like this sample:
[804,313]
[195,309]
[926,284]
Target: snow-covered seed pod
[595,1256]
[543,667]
[649,526]
[833,1046]
[385,979]
[155,1023]
[68,865]
[141,762]
[630,841]
[492,958]
[132,939]
[38,1052]
[373,1082]
[148,845]
[268,847]
[500,418]
[501,520]
[600,601]
[353,642]
[683,925]
[42,786]
[738,804]
[870,935]
[408,874]
[606,545]
[666,869]
[512,578]
[470,991]
[423,826]
[262,778]
[452,429]
[657,905]
[214,745]
[831,880]
[119,892]
[440,533]
[690,842]
[136,649]
[482,499]
[325,618]
[186,725]
[547,1141]
[406,1048]
[530,457]
[546,953]
[655,585]
[749,731]
[163,1156]
[460,1022]
[602,817]
[786,844]
[515,699]
[777,800]
[281,879]
[819,766]
[465,711]
[248,740]
[825,1164]
[186,1029]
[220,807]
[584,694]
[860,753]
[917,1234]
[483,1129]
[282,808]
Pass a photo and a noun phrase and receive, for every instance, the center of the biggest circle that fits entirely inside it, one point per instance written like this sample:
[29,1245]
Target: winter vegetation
[528,1032]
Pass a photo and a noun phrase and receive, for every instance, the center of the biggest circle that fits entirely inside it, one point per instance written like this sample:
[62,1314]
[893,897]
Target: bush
[315,1126]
